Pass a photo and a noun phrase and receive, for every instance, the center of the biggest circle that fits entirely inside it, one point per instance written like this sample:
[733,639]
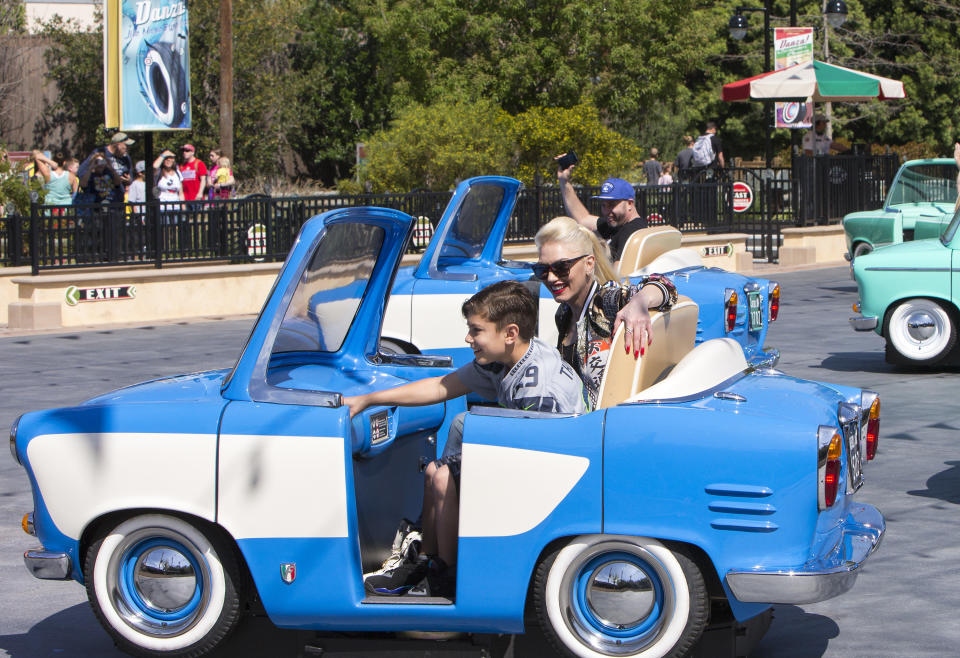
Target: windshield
[329,292]
[925,183]
[473,222]
[948,234]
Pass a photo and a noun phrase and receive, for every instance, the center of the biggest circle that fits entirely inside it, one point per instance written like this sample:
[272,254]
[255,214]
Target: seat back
[646,244]
[709,364]
[675,259]
[674,334]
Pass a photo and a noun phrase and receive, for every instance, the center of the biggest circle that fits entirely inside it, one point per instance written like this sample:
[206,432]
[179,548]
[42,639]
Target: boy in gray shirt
[509,366]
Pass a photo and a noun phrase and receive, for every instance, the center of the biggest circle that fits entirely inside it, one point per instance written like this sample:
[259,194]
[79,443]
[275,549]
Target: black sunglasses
[561,267]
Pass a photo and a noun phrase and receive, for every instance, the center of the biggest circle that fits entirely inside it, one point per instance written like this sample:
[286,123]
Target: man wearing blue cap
[618,213]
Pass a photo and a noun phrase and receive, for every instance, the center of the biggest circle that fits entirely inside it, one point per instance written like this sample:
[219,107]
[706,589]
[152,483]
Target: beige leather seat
[645,245]
[675,259]
[709,364]
[674,335]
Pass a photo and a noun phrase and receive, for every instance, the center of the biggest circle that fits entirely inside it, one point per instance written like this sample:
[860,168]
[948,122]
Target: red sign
[742,197]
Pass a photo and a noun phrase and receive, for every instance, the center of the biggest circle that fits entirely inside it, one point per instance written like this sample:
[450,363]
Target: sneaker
[400,579]
[406,548]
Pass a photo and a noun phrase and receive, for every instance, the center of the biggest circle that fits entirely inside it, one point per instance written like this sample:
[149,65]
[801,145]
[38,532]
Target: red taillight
[831,482]
[829,463]
[730,311]
[774,301]
[873,429]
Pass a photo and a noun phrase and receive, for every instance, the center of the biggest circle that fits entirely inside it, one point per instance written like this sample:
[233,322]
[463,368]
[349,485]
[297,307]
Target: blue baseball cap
[616,189]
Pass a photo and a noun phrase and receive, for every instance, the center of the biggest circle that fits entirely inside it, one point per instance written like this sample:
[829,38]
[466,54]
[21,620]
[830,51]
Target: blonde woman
[577,271]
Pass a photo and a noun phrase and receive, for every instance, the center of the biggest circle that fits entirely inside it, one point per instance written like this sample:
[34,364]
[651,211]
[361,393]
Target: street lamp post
[834,13]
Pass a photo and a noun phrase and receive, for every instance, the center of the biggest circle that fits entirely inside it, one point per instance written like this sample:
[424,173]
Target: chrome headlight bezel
[13,440]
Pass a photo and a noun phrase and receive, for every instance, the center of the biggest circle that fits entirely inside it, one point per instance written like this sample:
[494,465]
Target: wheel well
[250,595]
[948,306]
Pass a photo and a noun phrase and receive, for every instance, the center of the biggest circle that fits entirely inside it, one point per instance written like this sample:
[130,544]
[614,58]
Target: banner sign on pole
[793,45]
[147,43]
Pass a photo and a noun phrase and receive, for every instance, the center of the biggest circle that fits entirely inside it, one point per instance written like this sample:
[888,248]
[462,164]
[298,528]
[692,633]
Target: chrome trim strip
[907,269]
[864,323]
[820,578]
[418,360]
[47,565]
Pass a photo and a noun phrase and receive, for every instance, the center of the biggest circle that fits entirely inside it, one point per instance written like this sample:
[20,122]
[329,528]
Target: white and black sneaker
[405,550]
[400,580]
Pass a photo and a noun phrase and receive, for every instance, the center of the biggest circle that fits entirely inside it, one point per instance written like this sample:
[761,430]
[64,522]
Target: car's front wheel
[919,332]
[162,586]
[611,595]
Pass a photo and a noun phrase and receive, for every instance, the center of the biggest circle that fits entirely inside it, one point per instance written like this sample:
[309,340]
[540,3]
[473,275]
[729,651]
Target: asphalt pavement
[903,604]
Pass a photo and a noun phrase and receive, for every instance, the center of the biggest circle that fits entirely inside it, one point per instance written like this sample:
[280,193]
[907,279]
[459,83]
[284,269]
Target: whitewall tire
[919,332]
[613,595]
[162,587]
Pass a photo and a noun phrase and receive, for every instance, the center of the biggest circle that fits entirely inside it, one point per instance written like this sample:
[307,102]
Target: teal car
[918,205]
[910,294]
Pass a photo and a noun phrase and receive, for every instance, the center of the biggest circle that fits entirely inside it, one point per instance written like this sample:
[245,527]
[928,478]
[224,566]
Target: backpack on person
[703,154]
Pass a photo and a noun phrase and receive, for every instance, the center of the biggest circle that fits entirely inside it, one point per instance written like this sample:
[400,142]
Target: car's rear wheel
[862,249]
[161,586]
[919,332]
[611,595]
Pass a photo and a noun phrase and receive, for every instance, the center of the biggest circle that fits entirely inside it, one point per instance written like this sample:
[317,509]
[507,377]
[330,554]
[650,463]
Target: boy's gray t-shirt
[540,381]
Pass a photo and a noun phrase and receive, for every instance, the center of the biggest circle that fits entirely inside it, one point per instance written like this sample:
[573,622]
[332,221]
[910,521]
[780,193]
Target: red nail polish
[641,351]
[635,353]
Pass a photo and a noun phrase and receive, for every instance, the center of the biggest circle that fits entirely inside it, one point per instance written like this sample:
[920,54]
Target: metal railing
[750,200]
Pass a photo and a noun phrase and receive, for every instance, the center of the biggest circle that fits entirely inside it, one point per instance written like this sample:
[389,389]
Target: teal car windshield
[948,234]
[925,183]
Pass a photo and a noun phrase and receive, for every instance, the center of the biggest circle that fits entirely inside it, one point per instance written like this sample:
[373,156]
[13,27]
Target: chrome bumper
[822,578]
[47,565]
[861,323]
[768,357]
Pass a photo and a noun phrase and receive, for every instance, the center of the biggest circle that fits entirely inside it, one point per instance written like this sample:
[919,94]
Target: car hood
[179,388]
[916,254]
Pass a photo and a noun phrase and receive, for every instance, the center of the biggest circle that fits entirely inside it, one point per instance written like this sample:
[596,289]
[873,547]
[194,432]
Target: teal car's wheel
[161,586]
[919,332]
[611,595]
[862,249]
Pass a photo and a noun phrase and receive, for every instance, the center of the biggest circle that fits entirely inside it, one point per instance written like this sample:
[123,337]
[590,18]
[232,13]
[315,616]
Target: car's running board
[408,600]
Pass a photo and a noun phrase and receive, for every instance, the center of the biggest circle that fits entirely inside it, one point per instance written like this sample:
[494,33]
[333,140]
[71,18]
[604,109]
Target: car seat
[646,244]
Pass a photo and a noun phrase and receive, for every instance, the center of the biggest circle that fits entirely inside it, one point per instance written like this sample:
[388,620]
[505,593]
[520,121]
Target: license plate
[755,304]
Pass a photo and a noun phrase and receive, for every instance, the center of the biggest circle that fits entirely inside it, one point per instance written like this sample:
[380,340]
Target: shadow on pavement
[804,635]
[872,361]
[73,631]
[944,485]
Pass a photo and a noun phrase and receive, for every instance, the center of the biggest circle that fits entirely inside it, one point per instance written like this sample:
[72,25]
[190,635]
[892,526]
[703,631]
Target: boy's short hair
[503,303]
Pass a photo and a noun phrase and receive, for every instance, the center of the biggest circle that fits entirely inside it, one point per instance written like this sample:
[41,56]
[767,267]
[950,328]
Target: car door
[293,469]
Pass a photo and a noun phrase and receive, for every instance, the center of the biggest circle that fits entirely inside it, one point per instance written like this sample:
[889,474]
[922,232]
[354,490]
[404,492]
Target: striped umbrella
[817,80]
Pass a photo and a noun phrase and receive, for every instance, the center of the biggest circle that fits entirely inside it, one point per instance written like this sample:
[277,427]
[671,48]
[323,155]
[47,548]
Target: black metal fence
[755,201]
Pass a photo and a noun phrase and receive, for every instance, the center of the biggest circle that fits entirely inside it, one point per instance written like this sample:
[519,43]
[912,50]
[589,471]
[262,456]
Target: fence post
[15,238]
[113,234]
[34,240]
[153,213]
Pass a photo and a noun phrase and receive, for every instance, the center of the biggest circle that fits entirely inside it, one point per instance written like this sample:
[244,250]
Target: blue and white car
[466,254]
[177,502]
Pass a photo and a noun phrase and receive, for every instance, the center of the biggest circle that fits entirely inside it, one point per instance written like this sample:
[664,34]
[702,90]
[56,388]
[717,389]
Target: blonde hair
[223,162]
[566,230]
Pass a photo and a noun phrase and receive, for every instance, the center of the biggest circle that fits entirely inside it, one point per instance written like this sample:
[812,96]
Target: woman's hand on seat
[637,325]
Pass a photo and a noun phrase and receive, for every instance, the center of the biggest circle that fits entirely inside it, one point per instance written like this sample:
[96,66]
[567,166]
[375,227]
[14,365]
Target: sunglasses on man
[561,267]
